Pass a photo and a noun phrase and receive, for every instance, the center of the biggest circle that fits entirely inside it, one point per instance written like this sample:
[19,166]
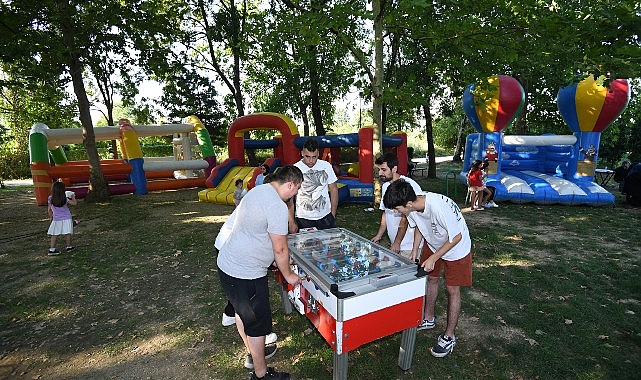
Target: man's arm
[291,217]
[333,197]
[281,257]
[418,236]
[381,229]
[400,234]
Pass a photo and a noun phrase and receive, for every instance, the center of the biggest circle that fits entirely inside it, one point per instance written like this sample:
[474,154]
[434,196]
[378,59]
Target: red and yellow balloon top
[492,104]
[588,106]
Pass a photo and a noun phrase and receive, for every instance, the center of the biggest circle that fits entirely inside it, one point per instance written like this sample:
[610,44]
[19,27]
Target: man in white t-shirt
[439,220]
[257,237]
[400,235]
[317,200]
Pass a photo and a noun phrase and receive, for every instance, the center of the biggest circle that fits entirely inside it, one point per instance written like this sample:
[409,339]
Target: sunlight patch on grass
[86,362]
[506,263]
[517,238]
[207,219]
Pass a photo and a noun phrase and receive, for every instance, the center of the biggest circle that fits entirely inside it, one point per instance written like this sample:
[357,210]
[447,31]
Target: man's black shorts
[250,299]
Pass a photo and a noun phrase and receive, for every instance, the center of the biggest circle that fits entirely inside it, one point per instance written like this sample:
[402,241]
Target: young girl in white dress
[61,220]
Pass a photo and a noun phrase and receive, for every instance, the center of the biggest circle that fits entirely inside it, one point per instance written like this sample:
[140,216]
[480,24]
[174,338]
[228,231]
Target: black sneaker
[70,248]
[53,252]
[271,374]
[444,346]
[270,350]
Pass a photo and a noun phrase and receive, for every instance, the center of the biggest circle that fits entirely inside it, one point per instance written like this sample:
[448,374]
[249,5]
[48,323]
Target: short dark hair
[266,167]
[239,180]
[311,144]
[398,193]
[389,158]
[289,173]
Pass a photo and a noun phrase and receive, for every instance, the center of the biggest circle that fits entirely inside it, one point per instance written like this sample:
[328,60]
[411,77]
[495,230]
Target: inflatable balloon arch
[548,168]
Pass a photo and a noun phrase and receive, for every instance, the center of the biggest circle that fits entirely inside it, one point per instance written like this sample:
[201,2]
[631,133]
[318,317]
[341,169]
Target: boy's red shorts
[457,273]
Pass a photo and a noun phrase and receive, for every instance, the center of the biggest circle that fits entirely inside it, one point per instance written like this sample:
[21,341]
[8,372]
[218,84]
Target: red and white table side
[361,307]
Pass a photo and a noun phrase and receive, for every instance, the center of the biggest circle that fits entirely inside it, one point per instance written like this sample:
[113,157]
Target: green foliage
[187,93]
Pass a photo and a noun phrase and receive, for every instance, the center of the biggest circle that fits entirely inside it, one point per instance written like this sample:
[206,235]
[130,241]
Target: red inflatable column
[366,155]
[401,153]
[237,147]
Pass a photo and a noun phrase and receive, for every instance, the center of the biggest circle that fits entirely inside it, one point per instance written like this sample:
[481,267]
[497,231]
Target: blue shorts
[250,299]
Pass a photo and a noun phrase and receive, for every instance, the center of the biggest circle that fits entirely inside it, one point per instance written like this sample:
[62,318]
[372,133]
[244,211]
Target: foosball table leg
[340,366]
[287,304]
[406,351]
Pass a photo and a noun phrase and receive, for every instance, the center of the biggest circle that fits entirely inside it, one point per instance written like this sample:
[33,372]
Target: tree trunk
[98,189]
[317,114]
[458,150]
[302,109]
[377,92]
[429,136]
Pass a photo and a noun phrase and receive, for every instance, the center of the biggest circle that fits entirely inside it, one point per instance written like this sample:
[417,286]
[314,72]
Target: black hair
[311,144]
[476,165]
[289,173]
[266,167]
[239,180]
[389,158]
[399,193]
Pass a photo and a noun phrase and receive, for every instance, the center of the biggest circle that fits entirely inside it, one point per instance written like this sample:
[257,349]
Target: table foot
[406,351]
[340,366]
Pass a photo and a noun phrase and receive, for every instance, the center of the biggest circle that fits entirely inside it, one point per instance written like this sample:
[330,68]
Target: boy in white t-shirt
[439,220]
[400,235]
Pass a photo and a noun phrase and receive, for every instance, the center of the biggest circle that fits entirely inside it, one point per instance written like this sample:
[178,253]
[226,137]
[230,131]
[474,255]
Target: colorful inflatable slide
[355,186]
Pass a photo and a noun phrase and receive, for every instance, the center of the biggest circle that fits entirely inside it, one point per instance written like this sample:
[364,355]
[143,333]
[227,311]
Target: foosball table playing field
[354,291]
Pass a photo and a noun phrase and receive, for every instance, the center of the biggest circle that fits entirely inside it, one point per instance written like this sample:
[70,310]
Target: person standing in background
[317,200]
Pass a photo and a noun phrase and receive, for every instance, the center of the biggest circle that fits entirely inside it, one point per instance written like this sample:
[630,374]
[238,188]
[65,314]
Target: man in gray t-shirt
[257,237]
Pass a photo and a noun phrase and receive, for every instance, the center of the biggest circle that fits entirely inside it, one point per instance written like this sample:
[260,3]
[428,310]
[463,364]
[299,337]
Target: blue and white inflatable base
[530,186]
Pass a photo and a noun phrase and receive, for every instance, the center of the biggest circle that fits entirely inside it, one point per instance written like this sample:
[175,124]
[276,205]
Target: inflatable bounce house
[353,186]
[132,174]
[549,168]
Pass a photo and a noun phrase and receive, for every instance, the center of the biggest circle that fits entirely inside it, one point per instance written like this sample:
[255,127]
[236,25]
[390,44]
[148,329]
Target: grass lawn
[556,295]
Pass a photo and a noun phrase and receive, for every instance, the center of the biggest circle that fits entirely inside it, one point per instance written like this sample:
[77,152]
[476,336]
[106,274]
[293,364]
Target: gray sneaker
[270,350]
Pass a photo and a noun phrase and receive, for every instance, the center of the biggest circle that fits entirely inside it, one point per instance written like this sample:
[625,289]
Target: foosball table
[354,292]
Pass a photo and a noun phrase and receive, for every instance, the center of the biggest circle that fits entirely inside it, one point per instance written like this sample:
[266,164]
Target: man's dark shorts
[250,299]
[328,221]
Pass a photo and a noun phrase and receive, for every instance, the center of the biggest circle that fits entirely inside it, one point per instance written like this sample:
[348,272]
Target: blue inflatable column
[585,154]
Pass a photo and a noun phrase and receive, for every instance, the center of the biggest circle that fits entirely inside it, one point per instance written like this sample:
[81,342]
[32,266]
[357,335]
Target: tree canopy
[220,59]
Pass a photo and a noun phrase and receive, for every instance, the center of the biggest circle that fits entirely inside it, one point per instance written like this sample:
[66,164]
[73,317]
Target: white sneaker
[493,204]
[487,205]
[271,339]
[228,321]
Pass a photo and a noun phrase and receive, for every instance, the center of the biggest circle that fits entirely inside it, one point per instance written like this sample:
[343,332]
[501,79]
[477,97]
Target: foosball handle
[333,288]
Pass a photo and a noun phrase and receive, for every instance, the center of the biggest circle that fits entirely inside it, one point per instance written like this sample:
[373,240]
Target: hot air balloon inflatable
[491,106]
[588,108]
[542,169]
